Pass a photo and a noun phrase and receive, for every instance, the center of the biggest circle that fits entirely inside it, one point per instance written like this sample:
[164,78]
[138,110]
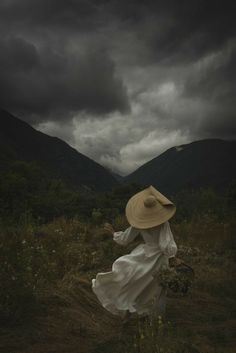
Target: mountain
[118,177]
[20,141]
[205,163]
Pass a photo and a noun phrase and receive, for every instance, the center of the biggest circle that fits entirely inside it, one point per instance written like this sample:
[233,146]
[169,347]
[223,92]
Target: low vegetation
[52,244]
[46,302]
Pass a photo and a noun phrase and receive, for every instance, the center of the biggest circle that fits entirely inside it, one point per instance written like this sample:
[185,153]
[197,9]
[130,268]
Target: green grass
[47,305]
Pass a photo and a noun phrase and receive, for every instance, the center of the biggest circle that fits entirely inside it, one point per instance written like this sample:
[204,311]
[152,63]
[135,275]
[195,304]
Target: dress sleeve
[125,237]
[166,241]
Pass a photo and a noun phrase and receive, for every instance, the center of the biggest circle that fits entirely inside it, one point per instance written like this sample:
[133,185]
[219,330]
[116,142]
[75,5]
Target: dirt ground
[74,322]
[70,319]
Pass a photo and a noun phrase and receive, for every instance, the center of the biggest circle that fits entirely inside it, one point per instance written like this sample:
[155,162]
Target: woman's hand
[109,228]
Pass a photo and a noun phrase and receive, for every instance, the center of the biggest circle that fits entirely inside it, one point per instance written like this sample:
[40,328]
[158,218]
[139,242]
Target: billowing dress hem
[131,285]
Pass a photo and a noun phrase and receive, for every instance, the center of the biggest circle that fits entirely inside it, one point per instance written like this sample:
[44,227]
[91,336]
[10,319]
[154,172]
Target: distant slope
[20,141]
[191,166]
[118,177]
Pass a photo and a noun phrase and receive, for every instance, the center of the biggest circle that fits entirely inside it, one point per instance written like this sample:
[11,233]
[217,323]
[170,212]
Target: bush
[17,277]
[34,257]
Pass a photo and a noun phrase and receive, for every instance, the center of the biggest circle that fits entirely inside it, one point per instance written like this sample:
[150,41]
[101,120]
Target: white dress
[131,285]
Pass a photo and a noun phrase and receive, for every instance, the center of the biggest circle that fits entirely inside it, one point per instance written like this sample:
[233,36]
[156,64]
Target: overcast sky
[121,81]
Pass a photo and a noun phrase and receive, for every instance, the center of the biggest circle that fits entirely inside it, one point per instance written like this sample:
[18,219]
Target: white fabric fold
[130,284]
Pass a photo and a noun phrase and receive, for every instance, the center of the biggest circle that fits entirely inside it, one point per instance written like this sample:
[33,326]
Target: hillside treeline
[28,192]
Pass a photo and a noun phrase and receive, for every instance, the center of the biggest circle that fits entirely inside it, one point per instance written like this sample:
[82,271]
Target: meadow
[47,305]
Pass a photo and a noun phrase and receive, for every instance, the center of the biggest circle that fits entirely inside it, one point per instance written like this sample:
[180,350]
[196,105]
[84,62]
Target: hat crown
[150,201]
[149,208]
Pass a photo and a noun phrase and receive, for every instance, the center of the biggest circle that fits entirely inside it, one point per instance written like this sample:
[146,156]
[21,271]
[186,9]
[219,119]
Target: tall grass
[65,254]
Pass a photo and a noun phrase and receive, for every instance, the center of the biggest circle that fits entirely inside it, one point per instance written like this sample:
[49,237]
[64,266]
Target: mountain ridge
[202,163]
[20,141]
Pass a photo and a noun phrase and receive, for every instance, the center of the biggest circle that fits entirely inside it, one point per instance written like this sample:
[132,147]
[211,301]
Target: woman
[131,286]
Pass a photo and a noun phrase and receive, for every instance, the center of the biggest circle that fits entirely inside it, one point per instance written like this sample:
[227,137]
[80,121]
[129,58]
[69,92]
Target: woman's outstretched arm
[122,237]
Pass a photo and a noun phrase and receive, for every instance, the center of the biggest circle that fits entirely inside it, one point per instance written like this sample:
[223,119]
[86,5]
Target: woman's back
[151,235]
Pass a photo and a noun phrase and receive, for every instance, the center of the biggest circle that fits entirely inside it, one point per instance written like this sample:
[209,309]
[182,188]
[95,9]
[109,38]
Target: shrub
[17,277]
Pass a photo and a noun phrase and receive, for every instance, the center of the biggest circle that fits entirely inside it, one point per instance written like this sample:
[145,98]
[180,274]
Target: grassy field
[47,305]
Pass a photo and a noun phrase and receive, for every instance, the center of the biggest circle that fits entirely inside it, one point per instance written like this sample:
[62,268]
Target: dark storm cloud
[44,84]
[158,72]
[216,77]
[214,81]
[72,13]
[17,54]
[171,31]
[64,70]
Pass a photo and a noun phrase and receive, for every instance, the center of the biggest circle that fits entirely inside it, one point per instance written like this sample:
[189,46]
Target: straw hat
[148,209]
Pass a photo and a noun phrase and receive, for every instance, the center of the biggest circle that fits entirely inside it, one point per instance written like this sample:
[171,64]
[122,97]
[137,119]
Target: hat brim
[143,217]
